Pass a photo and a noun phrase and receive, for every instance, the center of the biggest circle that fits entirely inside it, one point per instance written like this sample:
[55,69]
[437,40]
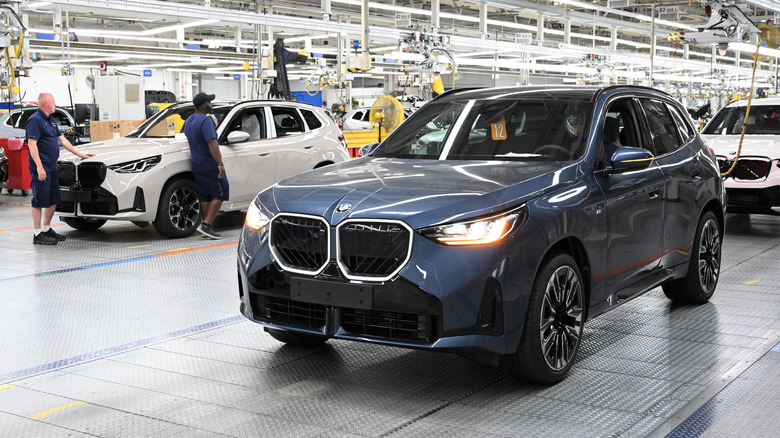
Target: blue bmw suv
[492,223]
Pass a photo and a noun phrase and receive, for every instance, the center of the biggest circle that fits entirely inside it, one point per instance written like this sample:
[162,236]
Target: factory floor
[121,332]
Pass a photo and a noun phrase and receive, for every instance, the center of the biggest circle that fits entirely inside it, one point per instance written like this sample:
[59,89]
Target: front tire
[296,339]
[83,223]
[553,324]
[699,283]
[178,213]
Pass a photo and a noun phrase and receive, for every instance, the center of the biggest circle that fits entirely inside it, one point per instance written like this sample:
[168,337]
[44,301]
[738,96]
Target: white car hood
[127,149]
[752,145]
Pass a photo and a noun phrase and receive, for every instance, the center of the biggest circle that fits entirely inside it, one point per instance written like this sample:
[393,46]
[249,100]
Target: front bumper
[436,302]
[753,200]
[104,194]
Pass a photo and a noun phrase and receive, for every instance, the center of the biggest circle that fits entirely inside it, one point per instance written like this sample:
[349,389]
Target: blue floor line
[78,268]
[16,375]
[717,406]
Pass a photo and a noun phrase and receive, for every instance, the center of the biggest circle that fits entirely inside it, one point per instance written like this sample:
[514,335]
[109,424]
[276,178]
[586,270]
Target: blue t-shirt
[199,129]
[43,129]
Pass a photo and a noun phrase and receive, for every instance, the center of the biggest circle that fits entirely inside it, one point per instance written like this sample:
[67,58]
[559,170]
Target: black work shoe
[44,239]
[54,234]
[207,231]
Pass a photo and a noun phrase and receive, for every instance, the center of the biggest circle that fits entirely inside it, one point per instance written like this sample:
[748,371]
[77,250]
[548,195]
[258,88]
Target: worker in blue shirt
[43,140]
[208,170]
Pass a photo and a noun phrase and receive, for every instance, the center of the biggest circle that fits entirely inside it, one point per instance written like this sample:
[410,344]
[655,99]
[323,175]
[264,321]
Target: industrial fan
[386,113]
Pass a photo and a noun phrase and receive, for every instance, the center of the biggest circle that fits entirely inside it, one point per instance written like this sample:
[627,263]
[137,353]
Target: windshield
[501,129]
[763,120]
[170,121]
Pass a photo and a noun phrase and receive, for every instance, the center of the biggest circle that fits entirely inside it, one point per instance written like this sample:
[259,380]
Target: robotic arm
[727,24]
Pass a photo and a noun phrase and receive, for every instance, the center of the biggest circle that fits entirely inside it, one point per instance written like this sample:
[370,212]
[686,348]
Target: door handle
[264,154]
[308,147]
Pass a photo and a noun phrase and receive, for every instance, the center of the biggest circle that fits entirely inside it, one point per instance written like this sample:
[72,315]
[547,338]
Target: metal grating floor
[121,332]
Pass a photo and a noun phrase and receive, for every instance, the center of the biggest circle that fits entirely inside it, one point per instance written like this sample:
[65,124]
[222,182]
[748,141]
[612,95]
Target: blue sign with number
[236,77]
[147,73]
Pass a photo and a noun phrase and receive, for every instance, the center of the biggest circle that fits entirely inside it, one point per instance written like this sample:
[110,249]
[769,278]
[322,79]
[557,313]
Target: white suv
[753,186]
[147,177]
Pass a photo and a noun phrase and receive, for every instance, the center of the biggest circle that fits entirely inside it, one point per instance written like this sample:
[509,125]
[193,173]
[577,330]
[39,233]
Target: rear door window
[663,128]
[286,120]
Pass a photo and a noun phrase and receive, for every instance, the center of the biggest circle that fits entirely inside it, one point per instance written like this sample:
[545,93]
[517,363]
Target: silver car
[147,176]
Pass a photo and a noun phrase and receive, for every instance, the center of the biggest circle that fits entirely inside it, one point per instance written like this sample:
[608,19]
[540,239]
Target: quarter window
[311,119]
[684,127]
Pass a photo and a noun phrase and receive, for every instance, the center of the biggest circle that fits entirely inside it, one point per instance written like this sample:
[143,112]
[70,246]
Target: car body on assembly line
[14,121]
[147,175]
[492,223]
[753,184]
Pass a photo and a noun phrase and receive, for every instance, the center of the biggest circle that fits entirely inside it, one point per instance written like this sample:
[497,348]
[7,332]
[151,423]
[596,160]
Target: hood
[752,145]
[419,192]
[127,149]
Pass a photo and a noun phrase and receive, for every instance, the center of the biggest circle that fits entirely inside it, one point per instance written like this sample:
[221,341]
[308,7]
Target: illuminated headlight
[136,166]
[478,232]
[255,219]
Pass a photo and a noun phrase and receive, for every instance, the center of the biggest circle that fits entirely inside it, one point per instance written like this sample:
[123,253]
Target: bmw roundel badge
[732,152]
[343,207]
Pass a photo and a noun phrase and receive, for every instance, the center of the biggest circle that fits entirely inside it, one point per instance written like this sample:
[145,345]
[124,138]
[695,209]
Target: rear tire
[699,283]
[83,223]
[296,339]
[178,213]
[553,324]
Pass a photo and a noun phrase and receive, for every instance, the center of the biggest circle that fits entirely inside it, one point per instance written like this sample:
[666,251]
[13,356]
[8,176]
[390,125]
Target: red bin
[18,159]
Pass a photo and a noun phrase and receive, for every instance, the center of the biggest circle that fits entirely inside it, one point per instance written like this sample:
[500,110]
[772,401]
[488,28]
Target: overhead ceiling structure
[563,39]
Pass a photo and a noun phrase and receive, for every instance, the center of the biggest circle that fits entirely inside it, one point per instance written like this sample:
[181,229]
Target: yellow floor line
[177,249]
[753,281]
[139,246]
[6,386]
[43,414]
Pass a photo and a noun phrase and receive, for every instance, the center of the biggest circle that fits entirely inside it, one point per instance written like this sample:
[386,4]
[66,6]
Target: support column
[540,28]
[483,28]
[613,39]
[435,22]
[567,31]
[326,10]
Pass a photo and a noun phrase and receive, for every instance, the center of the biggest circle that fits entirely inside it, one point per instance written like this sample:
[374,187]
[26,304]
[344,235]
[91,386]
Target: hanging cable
[747,114]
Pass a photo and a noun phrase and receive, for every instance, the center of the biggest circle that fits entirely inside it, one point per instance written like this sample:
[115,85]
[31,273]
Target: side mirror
[367,150]
[630,158]
[237,137]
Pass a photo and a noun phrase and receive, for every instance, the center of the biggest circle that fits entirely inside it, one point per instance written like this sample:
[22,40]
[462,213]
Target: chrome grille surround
[309,255]
[747,169]
[393,233]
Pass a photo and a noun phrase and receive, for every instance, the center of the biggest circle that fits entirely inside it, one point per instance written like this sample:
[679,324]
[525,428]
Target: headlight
[478,232]
[255,219]
[136,166]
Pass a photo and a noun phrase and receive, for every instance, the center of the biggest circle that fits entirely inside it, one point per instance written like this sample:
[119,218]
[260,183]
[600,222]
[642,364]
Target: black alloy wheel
[178,213]
[553,326]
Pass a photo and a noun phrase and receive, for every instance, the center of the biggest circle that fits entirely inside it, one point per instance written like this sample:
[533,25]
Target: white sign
[403,19]
[523,38]
[617,3]
[671,13]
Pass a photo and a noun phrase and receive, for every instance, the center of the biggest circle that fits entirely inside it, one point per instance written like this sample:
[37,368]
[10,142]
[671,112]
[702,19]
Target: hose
[747,114]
